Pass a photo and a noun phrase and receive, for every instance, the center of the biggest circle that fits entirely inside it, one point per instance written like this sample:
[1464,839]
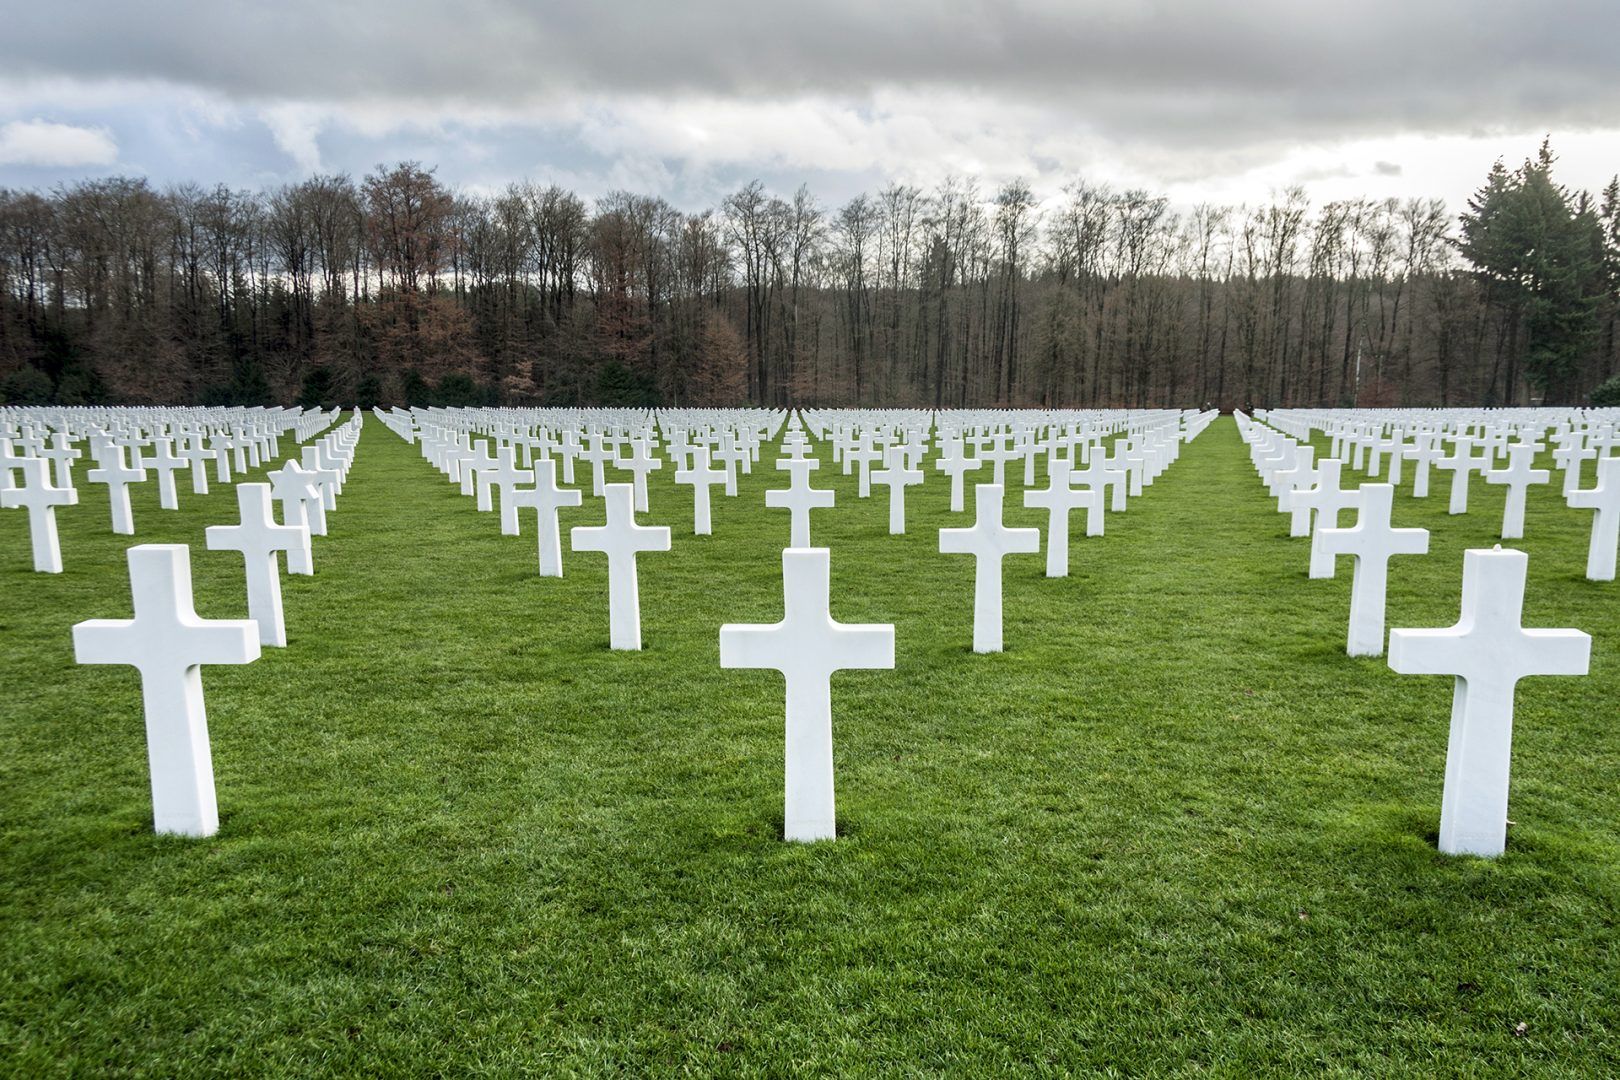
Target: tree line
[397,289]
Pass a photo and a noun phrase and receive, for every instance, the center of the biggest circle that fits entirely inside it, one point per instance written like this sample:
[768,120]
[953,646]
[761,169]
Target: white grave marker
[40,498]
[701,476]
[807,646]
[1058,498]
[1518,477]
[1605,499]
[620,539]
[896,477]
[167,642]
[988,541]
[546,498]
[118,476]
[1488,651]
[258,538]
[799,498]
[1372,542]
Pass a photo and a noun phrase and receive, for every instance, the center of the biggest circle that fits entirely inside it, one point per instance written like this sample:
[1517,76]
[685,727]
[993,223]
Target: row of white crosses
[1473,442]
[168,643]
[445,441]
[807,646]
[38,452]
[1487,651]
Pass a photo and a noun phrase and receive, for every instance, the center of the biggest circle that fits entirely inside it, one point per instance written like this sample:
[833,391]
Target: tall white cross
[701,476]
[1325,501]
[258,538]
[598,455]
[222,457]
[999,453]
[199,456]
[955,463]
[988,541]
[799,498]
[117,476]
[1424,452]
[730,455]
[1058,497]
[505,477]
[897,477]
[1371,541]
[165,464]
[1568,458]
[807,646]
[1605,499]
[1100,474]
[40,498]
[167,642]
[546,498]
[1488,651]
[1518,476]
[301,506]
[326,478]
[620,539]
[640,463]
[62,455]
[862,458]
[1461,462]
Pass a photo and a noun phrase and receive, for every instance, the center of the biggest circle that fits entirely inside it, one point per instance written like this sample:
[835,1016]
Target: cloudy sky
[1198,100]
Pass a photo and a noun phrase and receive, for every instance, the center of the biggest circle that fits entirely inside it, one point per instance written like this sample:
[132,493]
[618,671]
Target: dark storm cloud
[1168,73]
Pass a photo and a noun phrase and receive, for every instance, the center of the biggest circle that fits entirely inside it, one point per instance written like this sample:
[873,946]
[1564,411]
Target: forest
[397,289]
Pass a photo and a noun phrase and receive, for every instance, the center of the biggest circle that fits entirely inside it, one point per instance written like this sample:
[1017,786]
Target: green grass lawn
[1173,828]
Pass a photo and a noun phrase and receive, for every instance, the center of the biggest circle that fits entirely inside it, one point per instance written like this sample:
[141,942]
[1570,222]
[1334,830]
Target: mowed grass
[1172,829]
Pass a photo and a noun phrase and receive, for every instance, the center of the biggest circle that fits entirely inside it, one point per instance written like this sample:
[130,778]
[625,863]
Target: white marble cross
[505,477]
[701,476]
[1568,457]
[599,454]
[1488,651]
[166,641]
[799,498]
[258,538]
[862,458]
[620,539]
[988,541]
[730,455]
[807,646]
[1102,474]
[1461,462]
[1518,477]
[163,461]
[327,479]
[1326,501]
[222,457]
[1605,499]
[40,498]
[896,477]
[62,455]
[640,463]
[117,476]
[301,506]
[955,463]
[998,454]
[199,456]
[546,498]
[1424,452]
[1371,541]
[1058,498]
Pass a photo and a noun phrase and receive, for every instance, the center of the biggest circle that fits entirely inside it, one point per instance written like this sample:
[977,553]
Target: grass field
[1173,828]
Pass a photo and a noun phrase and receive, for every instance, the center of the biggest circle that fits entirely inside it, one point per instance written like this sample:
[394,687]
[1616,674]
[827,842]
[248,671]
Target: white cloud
[43,143]
[296,129]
